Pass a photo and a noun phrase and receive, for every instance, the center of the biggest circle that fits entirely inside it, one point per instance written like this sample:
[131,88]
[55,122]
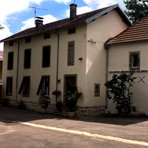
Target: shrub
[119,91]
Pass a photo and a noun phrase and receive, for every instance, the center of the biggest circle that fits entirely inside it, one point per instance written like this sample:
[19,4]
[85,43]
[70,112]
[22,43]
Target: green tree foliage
[136,9]
[119,91]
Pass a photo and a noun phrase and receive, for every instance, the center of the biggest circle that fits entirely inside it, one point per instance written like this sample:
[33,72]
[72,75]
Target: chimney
[73,10]
[38,22]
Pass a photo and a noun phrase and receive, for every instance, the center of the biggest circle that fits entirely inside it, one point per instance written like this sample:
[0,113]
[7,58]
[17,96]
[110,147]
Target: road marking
[76,132]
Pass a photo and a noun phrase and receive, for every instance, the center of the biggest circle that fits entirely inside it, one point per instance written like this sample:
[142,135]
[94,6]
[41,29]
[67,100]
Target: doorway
[70,81]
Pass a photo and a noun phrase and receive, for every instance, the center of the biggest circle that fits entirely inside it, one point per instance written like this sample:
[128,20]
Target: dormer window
[28,39]
[46,35]
[11,43]
[71,30]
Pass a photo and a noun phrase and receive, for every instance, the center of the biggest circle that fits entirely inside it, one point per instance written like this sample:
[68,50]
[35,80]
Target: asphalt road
[26,129]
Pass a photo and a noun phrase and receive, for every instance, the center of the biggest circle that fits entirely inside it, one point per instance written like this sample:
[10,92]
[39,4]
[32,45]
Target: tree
[136,9]
[119,91]
[1,27]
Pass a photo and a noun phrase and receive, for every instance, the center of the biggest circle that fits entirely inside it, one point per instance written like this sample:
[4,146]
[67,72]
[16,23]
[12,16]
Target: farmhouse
[59,55]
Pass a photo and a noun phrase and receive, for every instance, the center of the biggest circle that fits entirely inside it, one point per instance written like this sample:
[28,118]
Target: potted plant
[44,101]
[72,97]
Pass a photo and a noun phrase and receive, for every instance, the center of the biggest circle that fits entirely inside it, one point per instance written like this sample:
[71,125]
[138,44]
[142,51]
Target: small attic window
[11,43]
[28,39]
[46,35]
[71,30]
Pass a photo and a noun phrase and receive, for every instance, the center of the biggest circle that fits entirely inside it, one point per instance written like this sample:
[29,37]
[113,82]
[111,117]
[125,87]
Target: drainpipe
[57,67]
[106,75]
[17,70]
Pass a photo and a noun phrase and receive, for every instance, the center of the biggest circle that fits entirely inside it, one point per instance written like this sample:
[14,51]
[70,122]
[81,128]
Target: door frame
[64,90]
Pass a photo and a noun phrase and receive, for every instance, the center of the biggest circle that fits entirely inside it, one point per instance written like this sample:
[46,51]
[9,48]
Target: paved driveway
[26,129]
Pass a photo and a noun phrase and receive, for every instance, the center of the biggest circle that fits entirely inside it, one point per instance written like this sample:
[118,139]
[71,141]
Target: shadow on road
[13,115]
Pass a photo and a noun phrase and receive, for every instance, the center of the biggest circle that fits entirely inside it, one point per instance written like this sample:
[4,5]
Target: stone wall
[90,111]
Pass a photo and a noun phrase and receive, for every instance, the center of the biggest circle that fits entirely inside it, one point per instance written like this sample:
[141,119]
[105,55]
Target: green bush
[119,91]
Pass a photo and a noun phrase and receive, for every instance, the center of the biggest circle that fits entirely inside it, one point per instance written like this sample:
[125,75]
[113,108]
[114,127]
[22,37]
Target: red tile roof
[137,32]
[79,19]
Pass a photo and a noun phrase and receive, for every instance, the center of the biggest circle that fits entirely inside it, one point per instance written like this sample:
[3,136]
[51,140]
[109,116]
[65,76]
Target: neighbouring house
[128,52]
[59,55]
[1,68]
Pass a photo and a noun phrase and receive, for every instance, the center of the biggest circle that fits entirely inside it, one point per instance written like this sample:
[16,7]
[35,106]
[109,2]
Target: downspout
[57,67]
[106,75]
[17,71]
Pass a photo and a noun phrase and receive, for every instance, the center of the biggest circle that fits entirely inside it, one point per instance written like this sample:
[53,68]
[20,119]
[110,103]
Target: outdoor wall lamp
[80,59]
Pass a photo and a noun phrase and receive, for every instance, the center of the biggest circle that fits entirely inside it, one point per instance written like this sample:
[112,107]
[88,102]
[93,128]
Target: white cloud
[84,9]
[63,1]
[5,32]
[30,22]
[80,10]
[9,7]
[99,3]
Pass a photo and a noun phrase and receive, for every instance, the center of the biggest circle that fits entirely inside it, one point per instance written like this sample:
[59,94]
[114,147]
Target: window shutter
[130,61]
[71,52]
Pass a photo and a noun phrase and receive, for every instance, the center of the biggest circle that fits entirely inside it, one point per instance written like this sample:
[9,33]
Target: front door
[70,81]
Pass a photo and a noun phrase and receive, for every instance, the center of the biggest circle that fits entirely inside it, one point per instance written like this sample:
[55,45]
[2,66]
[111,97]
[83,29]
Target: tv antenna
[35,10]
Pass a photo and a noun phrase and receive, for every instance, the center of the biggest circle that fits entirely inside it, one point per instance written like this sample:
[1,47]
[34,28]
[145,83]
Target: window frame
[46,56]
[9,86]
[97,90]
[71,53]
[24,89]
[71,30]
[131,60]
[27,60]
[47,35]
[44,86]
[28,40]
[11,43]
[10,60]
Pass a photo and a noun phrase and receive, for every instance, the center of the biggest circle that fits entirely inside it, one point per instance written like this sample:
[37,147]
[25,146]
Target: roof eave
[90,19]
[125,18]
[127,41]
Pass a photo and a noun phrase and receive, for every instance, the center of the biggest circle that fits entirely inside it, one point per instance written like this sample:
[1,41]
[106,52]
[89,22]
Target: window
[43,88]
[25,87]
[9,83]
[134,61]
[11,43]
[46,35]
[71,30]
[46,56]
[10,61]
[28,39]
[97,90]
[27,58]
[70,56]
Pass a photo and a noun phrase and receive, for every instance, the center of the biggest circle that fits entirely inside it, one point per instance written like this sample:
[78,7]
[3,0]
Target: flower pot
[71,114]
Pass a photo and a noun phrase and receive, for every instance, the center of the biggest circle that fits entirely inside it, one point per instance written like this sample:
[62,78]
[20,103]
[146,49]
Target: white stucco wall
[119,61]
[99,30]
[36,70]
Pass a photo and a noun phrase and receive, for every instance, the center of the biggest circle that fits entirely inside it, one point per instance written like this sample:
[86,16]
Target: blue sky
[18,15]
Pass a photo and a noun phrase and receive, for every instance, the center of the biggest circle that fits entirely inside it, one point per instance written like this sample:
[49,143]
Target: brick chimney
[38,22]
[73,10]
